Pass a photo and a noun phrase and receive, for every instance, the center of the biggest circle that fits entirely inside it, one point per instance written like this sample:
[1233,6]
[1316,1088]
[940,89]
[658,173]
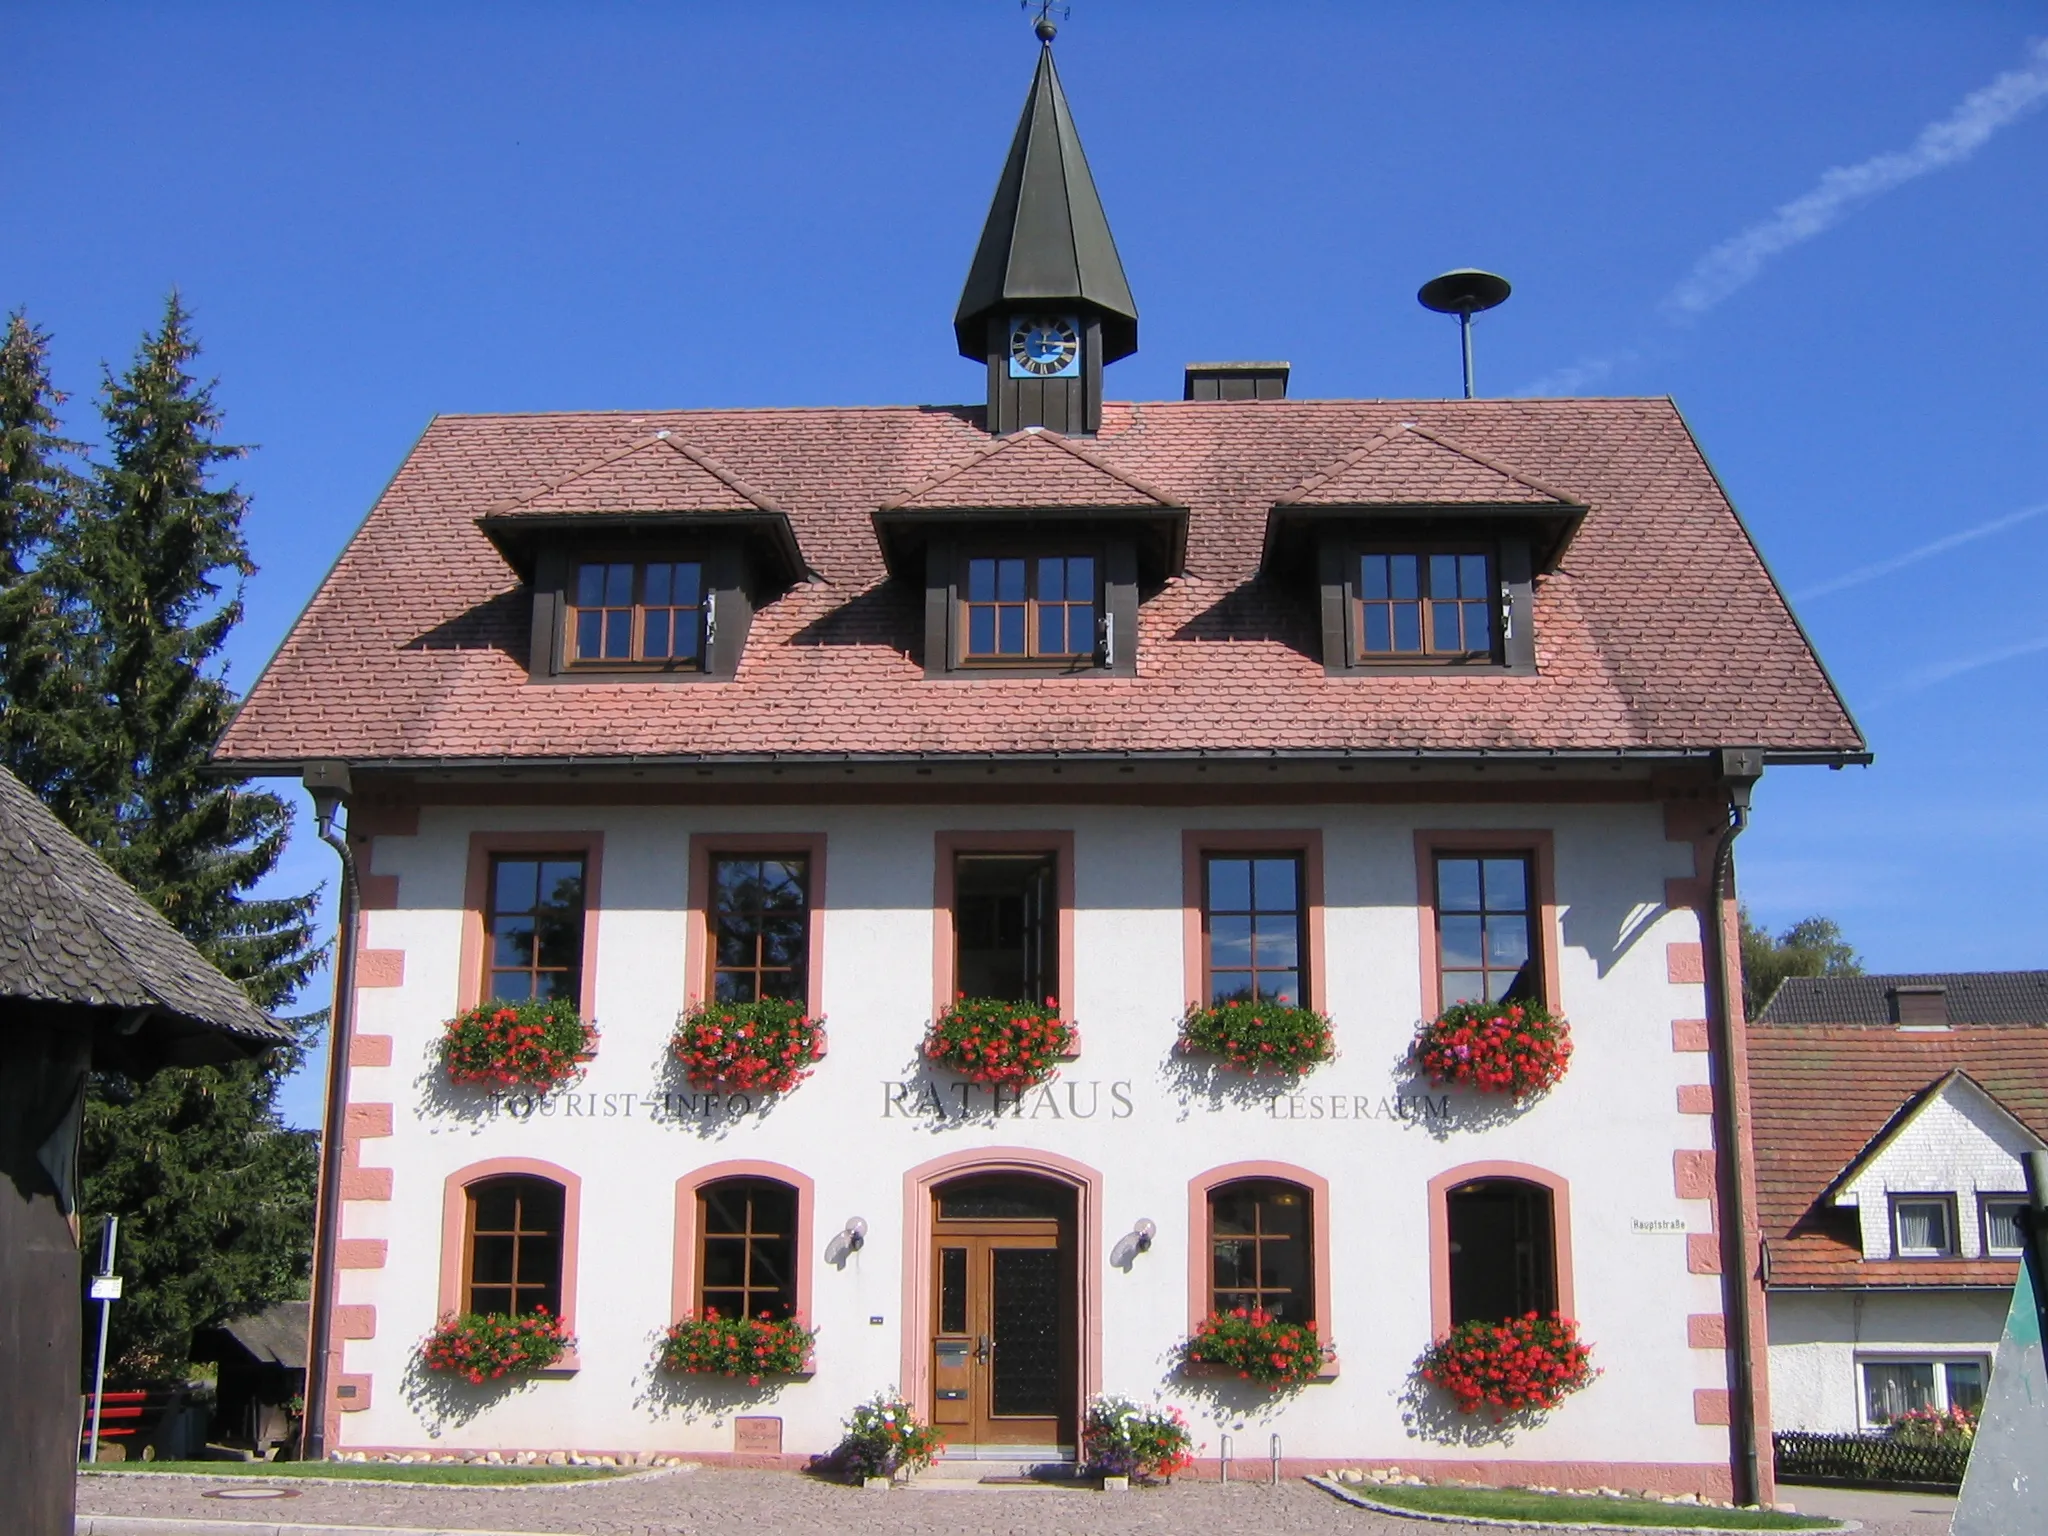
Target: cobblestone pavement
[707,1502]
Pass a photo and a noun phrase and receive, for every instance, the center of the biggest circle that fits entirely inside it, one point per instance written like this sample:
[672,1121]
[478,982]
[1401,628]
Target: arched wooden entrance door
[1005,1344]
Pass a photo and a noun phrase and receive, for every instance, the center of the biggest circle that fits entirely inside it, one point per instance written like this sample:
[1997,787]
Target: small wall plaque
[757,1435]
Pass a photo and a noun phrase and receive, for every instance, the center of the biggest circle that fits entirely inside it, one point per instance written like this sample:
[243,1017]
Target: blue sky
[1820,228]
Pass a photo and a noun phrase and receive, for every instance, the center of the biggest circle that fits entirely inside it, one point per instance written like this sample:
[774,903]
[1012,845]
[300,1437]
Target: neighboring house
[1371,704]
[261,1361]
[91,979]
[1891,1117]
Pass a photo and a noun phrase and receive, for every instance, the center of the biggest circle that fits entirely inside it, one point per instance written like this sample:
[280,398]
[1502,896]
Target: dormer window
[1416,605]
[647,613]
[1923,1226]
[1025,609]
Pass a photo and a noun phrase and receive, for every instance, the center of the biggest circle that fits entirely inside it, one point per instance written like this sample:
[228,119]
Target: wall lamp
[855,1232]
[1143,1233]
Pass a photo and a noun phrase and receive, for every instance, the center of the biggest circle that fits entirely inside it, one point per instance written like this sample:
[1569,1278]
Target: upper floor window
[1261,1236]
[534,927]
[1252,923]
[1006,926]
[648,613]
[1019,609]
[2004,1232]
[1424,605]
[747,1258]
[1503,1250]
[1486,929]
[760,927]
[1923,1226]
[513,1257]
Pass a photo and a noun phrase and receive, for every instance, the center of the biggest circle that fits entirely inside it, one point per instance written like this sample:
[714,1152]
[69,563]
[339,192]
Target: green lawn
[1511,1504]
[415,1472]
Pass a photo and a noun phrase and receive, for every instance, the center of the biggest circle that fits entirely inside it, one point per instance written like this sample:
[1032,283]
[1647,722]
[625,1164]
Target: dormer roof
[1046,241]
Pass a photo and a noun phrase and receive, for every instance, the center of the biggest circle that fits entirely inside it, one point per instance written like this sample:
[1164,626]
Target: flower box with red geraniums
[749,1347]
[487,1346]
[1007,1044]
[1254,1035]
[534,1044]
[1519,1048]
[767,1046]
[1258,1346]
[1527,1362]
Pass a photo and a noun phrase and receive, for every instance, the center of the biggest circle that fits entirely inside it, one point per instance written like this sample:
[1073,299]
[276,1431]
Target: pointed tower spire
[1046,259]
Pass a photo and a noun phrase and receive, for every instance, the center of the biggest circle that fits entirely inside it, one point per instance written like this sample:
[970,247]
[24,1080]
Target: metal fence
[1867,1459]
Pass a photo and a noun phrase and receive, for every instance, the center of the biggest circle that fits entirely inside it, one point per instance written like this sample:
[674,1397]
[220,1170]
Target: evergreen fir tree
[42,643]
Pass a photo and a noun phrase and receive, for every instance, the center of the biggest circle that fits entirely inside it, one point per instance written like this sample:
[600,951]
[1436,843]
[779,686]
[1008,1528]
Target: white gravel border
[1352,1496]
[604,1478]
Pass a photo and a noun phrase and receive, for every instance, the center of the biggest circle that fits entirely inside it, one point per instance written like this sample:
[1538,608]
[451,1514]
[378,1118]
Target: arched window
[1503,1250]
[746,1248]
[1261,1245]
[513,1253]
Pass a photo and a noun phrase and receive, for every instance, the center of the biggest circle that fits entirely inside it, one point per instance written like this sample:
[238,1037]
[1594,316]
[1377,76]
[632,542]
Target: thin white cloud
[1941,672]
[1580,376]
[1982,113]
[1940,546]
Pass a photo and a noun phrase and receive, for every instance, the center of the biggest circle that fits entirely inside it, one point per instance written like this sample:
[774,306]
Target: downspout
[1741,767]
[328,782]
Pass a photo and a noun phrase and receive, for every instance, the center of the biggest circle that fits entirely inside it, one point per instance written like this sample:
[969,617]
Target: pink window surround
[1440,1189]
[705,846]
[949,845]
[476,899]
[1540,846]
[1200,1268]
[920,1182]
[683,1292]
[455,1232]
[1194,843]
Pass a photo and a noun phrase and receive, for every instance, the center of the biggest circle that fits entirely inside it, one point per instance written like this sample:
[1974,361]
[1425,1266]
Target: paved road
[705,1502]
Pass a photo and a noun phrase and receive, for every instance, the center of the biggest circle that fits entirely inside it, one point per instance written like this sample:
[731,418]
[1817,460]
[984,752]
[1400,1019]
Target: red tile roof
[1660,631]
[1821,1094]
[1409,465]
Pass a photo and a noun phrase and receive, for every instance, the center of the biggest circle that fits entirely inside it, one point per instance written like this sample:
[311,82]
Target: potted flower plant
[885,1437]
[748,1347]
[1258,1035]
[1527,1362]
[487,1346]
[1006,1044]
[1120,1439]
[1258,1347]
[1512,1047]
[535,1044]
[766,1046]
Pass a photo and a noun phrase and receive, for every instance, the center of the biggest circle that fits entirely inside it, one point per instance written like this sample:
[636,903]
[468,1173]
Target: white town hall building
[1369,705]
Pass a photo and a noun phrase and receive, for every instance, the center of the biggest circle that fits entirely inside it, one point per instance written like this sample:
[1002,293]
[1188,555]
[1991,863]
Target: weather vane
[1050,14]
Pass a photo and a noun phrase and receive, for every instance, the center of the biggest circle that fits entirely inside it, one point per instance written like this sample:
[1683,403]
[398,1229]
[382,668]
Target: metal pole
[1276,1460]
[1465,342]
[99,1370]
[1223,1452]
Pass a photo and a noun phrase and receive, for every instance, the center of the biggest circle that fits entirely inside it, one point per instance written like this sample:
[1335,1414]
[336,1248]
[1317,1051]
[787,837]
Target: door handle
[985,1351]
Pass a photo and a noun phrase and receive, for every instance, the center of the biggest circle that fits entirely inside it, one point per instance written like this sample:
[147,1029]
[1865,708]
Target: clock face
[1045,347]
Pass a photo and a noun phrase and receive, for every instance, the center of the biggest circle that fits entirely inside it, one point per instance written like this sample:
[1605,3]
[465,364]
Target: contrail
[1940,546]
[1941,672]
[1953,139]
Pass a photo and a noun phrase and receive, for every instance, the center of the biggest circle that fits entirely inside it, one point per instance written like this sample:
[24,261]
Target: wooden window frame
[1031,538]
[518,1234]
[1511,589]
[1423,551]
[728,586]
[1258,1238]
[699,954]
[1539,847]
[1197,843]
[638,609]
[1030,553]
[946,849]
[475,948]
[1200,1266]
[1439,1193]
[534,970]
[1896,1198]
[749,1237]
[454,1234]
[686,1264]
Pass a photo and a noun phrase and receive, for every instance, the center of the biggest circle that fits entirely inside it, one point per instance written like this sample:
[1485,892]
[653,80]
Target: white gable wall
[1957,1142]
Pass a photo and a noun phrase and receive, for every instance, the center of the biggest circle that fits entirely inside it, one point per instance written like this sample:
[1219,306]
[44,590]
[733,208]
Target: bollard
[1224,1452]
[1276,1459]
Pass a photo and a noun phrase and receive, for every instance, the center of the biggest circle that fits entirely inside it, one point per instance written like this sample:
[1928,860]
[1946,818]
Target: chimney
[1919,1005]
[1235,381]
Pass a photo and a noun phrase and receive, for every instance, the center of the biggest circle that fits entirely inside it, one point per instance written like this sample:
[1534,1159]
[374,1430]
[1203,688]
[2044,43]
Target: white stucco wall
[1818,1339]
[1610,1129]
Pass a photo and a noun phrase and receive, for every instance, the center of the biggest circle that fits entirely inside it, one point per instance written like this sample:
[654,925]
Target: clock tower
[1046,302]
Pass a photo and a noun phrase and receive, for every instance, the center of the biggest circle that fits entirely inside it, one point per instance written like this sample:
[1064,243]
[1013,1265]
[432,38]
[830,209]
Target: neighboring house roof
[1661,631]
[1822,1096]
[73,932]
[1973,997]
